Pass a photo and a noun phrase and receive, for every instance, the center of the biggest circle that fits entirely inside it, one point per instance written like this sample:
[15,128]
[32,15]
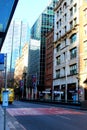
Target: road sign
[34,78]
[1,58]
[1,61]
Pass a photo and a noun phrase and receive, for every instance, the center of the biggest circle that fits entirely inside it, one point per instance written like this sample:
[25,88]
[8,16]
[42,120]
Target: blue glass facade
[6,8]
[39,30]
[17,36]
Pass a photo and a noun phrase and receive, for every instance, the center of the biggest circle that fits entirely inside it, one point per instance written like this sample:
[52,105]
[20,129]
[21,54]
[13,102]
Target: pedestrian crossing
[41,111]
[15,125]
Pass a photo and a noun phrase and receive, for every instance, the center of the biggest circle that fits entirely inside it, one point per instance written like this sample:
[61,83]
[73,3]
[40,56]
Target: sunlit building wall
[21,63]
[69,70]
[17,36]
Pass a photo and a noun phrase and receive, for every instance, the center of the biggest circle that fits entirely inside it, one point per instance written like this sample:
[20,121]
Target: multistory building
[49,64]
[21,70]
[21,63]
[17,36]
[33,68]
[70,55]
[41,27]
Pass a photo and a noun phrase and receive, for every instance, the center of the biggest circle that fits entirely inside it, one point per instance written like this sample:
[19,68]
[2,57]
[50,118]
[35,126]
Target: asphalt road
[29,116]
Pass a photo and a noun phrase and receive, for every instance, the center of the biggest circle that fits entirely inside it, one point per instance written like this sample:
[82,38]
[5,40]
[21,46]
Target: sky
[30,10]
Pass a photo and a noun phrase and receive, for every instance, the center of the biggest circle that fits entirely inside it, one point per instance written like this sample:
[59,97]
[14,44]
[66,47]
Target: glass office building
[41,27]
[17,36]
[34,59]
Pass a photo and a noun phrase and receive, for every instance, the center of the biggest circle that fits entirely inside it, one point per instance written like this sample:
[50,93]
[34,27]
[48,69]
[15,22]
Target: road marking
[10,125]
[41,111]
[22,127]
[64,117]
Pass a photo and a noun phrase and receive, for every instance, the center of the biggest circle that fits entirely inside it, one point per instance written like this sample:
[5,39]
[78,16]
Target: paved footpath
[11,122]
[2,120]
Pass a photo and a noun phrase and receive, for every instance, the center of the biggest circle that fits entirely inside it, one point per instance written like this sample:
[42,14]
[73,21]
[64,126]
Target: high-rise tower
[41,27]
[17,36]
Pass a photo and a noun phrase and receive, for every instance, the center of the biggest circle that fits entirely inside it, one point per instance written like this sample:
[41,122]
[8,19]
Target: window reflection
[5,8]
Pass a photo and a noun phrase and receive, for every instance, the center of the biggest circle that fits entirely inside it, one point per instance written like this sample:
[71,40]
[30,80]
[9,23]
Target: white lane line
[23,127]
[10,125]
[64,117]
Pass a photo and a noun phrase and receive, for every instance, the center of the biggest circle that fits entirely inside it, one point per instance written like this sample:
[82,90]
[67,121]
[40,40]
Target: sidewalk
[2,120]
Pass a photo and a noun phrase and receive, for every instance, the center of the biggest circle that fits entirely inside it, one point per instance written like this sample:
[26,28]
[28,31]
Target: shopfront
[71,92]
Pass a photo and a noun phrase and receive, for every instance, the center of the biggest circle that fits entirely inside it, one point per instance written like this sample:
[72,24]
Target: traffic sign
[1,61]
[1,58]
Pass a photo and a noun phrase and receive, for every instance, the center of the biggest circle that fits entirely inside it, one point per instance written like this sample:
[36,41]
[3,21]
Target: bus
[10,94]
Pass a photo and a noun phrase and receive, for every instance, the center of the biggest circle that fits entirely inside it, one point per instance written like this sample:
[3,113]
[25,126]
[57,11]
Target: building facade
[70,56]
[33,68]
[21,70]
[21,63]
[49,64]
[17,36]
[41,27]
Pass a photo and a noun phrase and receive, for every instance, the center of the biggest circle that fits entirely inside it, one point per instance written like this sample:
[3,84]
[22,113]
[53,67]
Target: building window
[75,8]
[57,24]
[63,71]
[65,17]
[63,57]
[58,13]
[71,1]
[85,29]
[71,12]
[60,22]
[65,29]
[57,35]
[73,53]
[73,38]
[75,21]
[58,60]
[85,63]
[65,6]
[73,69]
[57,73]
[85,13]
[58,48]
[85,46]
[65,41]
[71,24]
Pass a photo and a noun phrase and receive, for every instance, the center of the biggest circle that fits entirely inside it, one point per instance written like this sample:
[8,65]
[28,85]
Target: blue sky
[29,10]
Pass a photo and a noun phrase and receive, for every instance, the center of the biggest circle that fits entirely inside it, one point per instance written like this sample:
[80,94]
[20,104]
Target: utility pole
[5,93]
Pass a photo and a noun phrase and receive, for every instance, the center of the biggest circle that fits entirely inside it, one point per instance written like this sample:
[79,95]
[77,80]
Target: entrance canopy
[7,8]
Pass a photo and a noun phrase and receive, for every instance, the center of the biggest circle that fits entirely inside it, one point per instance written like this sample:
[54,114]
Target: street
[30,116]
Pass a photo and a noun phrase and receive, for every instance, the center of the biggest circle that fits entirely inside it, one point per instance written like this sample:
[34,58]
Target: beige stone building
[21,64]
[70,50]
